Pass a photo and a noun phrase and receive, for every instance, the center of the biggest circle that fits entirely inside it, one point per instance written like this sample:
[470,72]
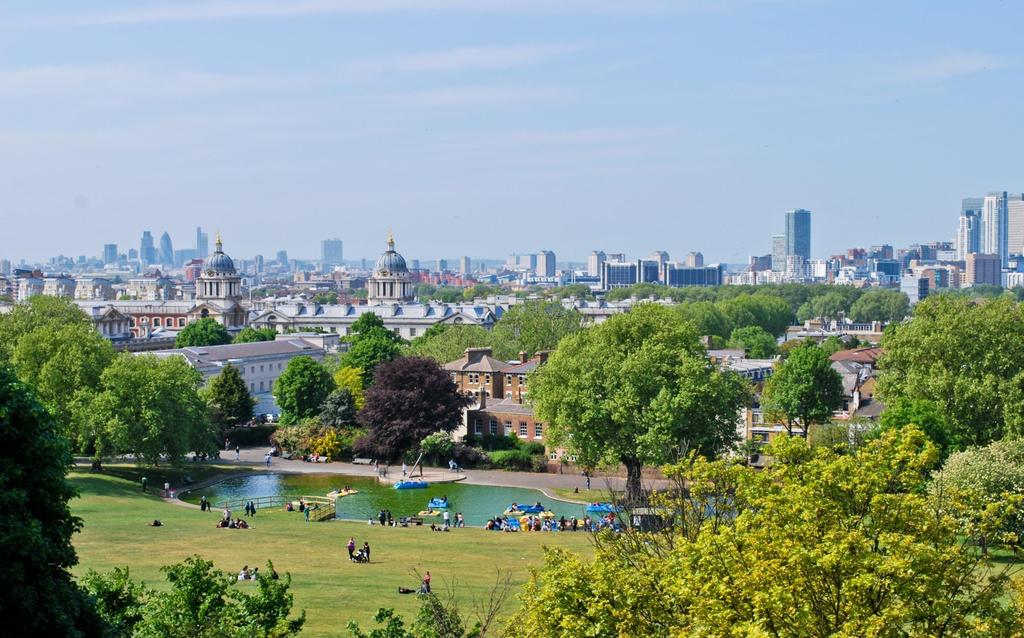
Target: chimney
[475,355]
[483,400]
[522,356]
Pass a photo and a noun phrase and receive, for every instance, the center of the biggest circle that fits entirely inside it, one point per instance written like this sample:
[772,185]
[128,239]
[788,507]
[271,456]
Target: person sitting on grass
[241,524]
[156,523]
[244,574]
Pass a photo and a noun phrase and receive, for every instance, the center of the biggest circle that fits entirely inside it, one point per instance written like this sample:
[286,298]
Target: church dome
[218,262]
[390,262]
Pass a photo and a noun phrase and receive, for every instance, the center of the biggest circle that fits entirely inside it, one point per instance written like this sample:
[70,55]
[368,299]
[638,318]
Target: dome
[390,262]
[218,262]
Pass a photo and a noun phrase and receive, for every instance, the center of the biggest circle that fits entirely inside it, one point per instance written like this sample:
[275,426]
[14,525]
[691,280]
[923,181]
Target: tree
[636,390]
[966,358]
[533,326]
[351,379]
[150,407]
[63,363]
[369,345]
[707,317]
[450,343]
[926,415]
[827,307]
[39,312]
[228,398]
[119,600]
[338,409]
[880,305]
[818,544]
[203,602]
[410,398]
[250,335]
[40,598]
[755,342]
[301,389]
[205,332]
[804,389]
[768,312]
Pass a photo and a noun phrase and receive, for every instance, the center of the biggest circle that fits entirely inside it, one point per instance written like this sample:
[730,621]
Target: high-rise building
[109,253]
[258,263]
[465,265]
[527,261]
[330,252]
[994,226]
[545,264]
[442,265]
[983,269]
[147,251]
[5,267]
[695,260]
[618,274]
[594,263]
[798,233]
[202,243]
[968,235]
[616,257]
[282,257]
[1015,224]
[166,250]
[778,253]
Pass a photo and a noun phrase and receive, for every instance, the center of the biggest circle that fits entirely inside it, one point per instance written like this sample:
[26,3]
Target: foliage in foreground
[820,544]
[202,601]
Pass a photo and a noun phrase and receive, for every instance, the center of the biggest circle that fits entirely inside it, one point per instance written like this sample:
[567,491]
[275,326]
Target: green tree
[63,362]
[768,312]
[302,389]
[369,345]
[338,409]
[351,379]
[708,317]
[880,305]
[39,312]
[827,307]
[533,326]
[818,544]
[636,390]
[754,341]
[450,343]
[965,357]
[804,389]
[228,398]
[205,332]
[250,335]
[926,415]
[40,598]
[150,407]
[119,600]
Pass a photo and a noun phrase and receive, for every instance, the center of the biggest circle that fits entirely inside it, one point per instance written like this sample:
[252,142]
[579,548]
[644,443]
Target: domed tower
[390,281]
[219,290]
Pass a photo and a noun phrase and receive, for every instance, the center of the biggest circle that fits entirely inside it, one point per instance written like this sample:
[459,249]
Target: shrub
[534,448]
[467,456]
[512,460]
[492,442]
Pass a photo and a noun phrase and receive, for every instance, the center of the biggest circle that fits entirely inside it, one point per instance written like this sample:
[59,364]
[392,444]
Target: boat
[525,509]
[411,485]
[603,508]
[430,512]
[437,502]
[521,513]
[341,493]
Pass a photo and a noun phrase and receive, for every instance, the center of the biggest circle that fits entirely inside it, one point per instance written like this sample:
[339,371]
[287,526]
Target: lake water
[476,502]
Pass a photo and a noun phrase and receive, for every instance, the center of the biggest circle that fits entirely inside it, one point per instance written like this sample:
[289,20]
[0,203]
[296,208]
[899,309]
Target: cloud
[943,67]
[466,58]
[476,95]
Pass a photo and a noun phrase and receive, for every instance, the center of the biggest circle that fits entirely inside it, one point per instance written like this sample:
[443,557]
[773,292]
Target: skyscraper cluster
[790,251]
[991,225]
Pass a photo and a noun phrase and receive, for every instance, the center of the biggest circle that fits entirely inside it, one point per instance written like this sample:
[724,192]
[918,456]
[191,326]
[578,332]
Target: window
[474,377]
[478,426]
[181,322]
[522,429]
[252,370]
[412,332]
[261,386]
[156,322]
[131,321]
[487,378]
[261,367]
[522,379]
[538,431]
[508,379]
[252,387]
[508,428]
[494,426]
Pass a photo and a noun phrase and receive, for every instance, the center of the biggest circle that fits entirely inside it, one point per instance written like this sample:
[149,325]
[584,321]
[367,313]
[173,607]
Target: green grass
[583,496]
[330,588]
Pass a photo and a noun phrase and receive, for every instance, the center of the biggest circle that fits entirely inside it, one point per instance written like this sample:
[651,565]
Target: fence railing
[326,506]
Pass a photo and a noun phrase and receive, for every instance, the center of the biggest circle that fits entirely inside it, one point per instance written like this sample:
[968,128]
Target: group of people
[386,518]
[541,524]
[250,509]
[254,574]
[226,521]
[362,555]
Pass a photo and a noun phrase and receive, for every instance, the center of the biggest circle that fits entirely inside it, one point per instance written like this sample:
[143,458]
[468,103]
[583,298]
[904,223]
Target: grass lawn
[330,588]
[583,496]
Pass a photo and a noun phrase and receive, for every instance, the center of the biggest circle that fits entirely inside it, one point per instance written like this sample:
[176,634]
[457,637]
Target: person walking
[238,453]
[447,519]
[307,514]
[366,550]
[351,547]
[405,469]
[144,481]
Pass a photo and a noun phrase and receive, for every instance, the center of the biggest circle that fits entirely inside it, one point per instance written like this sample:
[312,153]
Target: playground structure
[325,507]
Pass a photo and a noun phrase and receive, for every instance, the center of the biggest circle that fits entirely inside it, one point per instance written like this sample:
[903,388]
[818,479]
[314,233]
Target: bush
[311,437]
[532,448]
[512,460]
[250,436]
[492,442]
[467,456]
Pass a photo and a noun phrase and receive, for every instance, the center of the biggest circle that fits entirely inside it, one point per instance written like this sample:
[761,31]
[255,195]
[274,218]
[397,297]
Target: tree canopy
[39,312]
[967,359]
[818,544]
[228,398]
[880,305]
[301,389]
[338,409]
[531,327]
[410,398]
[205,332]
[40,598]
[637,389]
[369,345]
[150,406]
[755,342]
[804,389]
[447,342]
[250,335]
[351,379]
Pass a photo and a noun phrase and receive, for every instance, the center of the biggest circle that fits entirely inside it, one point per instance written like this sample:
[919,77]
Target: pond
[476,502]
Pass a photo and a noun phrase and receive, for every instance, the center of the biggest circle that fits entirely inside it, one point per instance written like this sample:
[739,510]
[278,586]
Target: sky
[486,127]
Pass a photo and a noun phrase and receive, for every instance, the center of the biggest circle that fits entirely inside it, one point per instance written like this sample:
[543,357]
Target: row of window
[169,322]
[268,366]
[538,428]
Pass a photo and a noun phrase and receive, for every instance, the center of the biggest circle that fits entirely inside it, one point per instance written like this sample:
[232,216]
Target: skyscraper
[330,252]
[545,264]
[202,243]
[282,257]
[695,260]
[166,250]
[798,233]
[147,251]
[465,265]
[1015,224]
[595,262]
[109,253]
[778,253]
[994,226]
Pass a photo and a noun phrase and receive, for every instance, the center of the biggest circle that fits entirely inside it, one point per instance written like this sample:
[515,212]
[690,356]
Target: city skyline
[574,120]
